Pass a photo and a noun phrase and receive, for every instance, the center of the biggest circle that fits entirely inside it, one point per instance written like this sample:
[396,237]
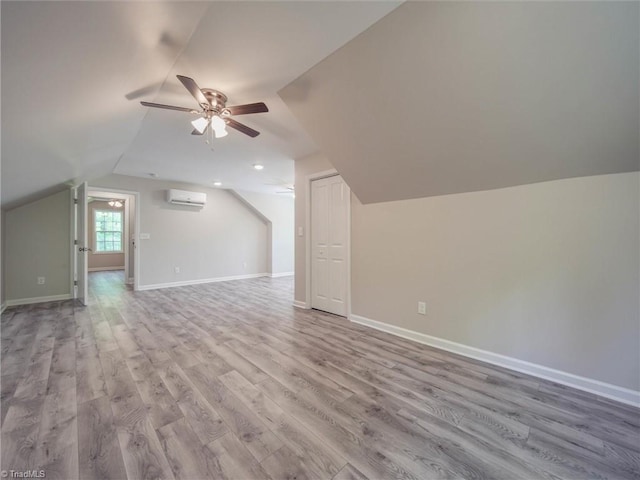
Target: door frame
[73,254]
[75,243]
[307,187]
[136,258]
[126,231]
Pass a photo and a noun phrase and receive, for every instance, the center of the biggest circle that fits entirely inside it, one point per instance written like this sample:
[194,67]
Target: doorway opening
[111,223]
[106,223]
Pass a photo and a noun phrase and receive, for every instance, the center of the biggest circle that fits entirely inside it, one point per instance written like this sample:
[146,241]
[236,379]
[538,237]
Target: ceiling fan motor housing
[216,99]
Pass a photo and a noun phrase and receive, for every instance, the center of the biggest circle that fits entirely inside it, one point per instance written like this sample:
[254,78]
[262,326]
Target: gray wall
[547,273]
[37,244]
[225,238]
[279,210]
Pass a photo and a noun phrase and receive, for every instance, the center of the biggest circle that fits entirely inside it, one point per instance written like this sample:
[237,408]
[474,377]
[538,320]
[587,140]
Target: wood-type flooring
[229,381]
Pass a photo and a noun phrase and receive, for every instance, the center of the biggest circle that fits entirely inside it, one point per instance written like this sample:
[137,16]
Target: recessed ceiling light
[217,184]
[257,166]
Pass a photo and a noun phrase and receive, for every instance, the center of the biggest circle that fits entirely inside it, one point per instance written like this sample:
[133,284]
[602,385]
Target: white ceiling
[73,74]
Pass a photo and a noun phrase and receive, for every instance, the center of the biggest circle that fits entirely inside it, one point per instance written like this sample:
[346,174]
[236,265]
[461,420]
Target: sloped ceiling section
[74,73]
[249,51]
[439,98]
[67,68]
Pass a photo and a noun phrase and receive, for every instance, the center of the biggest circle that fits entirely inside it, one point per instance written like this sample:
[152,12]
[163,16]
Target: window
[108,229]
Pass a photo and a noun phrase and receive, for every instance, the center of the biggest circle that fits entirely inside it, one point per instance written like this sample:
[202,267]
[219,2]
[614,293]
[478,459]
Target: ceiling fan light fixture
[219,126]
[115,203]
[200,124]
[218,123]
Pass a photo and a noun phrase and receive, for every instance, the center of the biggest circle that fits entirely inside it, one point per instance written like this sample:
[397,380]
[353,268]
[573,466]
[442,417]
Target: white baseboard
[203,280]
[29,301]
[282,274]
[303,305]
[3,307]
[614,392]
[105,269]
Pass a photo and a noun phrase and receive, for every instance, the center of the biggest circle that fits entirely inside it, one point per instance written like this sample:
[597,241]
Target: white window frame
[95,232]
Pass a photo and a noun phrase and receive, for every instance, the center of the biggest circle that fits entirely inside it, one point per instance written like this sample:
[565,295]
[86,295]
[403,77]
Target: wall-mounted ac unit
[182,197]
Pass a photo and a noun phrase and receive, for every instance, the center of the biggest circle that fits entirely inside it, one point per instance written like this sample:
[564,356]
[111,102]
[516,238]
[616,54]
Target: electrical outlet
[41,280]
[176,269]
[422,308]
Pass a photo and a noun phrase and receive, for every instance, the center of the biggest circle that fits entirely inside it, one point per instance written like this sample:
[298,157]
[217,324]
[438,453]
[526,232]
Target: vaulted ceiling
[73,74]
[423,99]
[448,97]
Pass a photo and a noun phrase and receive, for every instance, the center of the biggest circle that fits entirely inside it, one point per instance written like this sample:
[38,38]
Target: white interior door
[330,199]
[82,247]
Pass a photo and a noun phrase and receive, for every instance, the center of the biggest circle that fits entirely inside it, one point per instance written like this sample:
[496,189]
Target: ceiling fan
[288,187]
[213,111]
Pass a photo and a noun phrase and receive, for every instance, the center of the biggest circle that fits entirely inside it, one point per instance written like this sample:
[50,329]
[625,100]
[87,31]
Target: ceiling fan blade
[248,108]
[169,107]
[191,85]
[241,127]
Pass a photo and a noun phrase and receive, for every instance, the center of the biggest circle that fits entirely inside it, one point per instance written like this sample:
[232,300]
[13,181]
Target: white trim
[303,305]
[104,269]
[129,280]
[348,250]
[614,392]
[281,274]
[202,280]
[126,240]
[28,301]
[3,307]
[73,257]
[74,243]
[82,206]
